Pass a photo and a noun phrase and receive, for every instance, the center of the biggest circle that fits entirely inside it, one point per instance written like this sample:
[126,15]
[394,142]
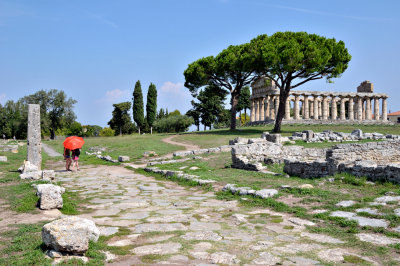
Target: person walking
[67,158]
[75,158]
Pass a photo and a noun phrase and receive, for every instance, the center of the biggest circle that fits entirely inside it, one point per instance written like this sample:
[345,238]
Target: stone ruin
[374,160]
[34,144]
[363,106]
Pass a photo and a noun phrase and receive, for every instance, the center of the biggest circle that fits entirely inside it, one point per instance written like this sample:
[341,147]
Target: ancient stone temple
[363,106]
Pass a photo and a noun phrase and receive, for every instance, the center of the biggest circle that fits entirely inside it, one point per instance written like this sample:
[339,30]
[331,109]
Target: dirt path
[50,151]
[187,146]
[175,225]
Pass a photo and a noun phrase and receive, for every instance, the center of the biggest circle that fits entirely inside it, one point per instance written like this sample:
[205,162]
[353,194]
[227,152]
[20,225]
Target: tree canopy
[137,108]
[151,106]
[230,70]
[291,59]
[121,121]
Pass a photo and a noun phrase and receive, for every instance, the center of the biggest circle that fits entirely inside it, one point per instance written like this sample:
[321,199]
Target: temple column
[320,109]
[261,109]
[257,114]
[376,109]
[328,111]
[296,108]
[272,107]
[351,108]
[384,109]
[276,104]
[266,108]
[312,108]
[359,108]
[306,108]
[287,109]
[342,109]
[324,108]
[334,109]
[316,116]
[368,109]
[252,115]
[363,110]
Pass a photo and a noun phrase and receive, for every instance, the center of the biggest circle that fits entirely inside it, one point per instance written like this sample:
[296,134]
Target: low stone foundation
[374,160]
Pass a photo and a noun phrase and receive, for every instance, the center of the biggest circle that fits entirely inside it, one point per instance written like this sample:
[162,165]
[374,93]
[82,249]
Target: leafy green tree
[161,114]
[138,112]
[13,119]
[121,120]
[91,130]
[230,70]
[151,106]
[56,109]
[244,101]
[195,114]
[175,112]
[75,129]
[173,124]
[166,112]
[211,104]
[106,132]
[223,119]
[291,59]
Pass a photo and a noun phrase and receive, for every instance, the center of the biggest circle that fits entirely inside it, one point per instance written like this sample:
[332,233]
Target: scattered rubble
[50,196]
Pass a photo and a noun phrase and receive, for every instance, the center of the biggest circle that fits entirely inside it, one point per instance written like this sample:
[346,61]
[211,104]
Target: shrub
[107,132]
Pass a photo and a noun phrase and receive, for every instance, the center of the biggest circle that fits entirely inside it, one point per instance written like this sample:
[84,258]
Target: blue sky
[96,50]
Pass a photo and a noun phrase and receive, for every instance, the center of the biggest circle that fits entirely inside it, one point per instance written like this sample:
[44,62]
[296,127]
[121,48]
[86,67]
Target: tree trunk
[240,118]
[234,102]
[205,128]
[245,117]
[283,95]
[198,127]
[139,130]
[52,133]
[120,131]
[151,130]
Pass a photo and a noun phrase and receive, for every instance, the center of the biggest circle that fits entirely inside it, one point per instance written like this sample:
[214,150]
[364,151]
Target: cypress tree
[151,106]
[137,108]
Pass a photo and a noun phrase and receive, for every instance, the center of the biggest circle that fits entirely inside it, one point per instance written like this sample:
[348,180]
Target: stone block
[275,138]
[50,196]
[3,158]
[34,175]
[123,158]
[266,193]
[70,234]
[48,175]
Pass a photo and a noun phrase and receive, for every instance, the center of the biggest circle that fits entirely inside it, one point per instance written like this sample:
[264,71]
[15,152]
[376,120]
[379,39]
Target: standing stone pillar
[316,115]
[287,109]
[342,109]
[363,110]
[276,104]
[272,107]
[376,109]
[368,107]
[384,109]
[252,115]
[324,108]
[266,108]
[334,108]
[296,108]
[359,108]
[306,108]
[262,109]
[34,144]
[257,117]
[351,108]
[312,108]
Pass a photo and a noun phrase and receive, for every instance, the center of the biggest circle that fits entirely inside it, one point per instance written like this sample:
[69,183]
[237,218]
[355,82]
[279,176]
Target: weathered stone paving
[189,226]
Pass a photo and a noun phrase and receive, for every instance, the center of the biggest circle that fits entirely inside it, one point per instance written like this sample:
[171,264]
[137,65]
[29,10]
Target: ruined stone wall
[384,152]
[245,156]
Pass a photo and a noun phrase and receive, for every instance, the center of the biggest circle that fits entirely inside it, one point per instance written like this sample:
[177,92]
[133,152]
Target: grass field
[132,145]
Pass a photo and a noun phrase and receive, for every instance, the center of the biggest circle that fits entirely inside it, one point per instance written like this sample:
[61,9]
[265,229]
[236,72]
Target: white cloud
[115,95]
[3,97]
[171,87]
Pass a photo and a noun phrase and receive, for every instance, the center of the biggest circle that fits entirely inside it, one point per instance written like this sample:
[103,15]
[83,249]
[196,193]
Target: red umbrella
[73,142]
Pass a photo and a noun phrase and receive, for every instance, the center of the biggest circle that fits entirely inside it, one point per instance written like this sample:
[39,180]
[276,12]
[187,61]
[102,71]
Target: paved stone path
[188,226]
[50,151]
